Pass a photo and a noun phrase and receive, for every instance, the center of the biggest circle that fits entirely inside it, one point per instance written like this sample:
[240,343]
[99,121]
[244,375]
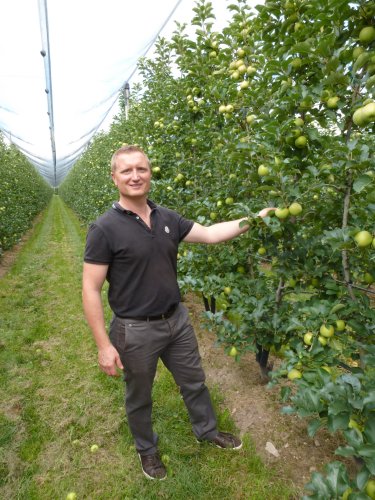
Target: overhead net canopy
[63,64]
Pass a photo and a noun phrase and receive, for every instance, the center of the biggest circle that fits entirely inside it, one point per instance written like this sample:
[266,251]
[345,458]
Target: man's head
[131,173]
[125,150]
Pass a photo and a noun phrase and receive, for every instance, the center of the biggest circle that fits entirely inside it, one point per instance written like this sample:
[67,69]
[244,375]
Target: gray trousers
[140,344]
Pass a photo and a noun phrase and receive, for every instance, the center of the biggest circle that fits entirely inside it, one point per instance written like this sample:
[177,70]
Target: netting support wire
[46,54]
[155,38]
[126,99]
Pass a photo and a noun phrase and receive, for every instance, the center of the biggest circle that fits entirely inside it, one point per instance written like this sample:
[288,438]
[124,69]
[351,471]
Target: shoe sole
[220,447]
[148,475]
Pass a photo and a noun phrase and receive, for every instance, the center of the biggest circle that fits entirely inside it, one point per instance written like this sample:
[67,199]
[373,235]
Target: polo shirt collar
[116,205]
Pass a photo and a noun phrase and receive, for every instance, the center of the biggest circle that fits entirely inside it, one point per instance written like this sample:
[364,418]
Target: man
[134,246]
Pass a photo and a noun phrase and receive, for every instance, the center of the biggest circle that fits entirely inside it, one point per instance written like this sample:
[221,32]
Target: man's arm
[92,282]
[223,231]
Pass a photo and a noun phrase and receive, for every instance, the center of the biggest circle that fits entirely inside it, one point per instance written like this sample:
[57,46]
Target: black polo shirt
[142,271]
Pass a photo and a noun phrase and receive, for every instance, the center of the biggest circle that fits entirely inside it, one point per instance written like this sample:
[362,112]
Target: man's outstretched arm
[222,231]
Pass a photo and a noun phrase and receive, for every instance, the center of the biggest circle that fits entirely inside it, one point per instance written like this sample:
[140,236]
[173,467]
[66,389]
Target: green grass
[55,403]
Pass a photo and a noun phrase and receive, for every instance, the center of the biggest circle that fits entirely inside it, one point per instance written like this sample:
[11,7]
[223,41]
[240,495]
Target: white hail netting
[91,49]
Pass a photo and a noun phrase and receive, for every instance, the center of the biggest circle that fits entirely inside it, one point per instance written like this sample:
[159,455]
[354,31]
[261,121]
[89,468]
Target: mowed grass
[55,403]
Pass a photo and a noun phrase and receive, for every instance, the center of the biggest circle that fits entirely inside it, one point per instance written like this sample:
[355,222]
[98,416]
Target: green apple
[295,208]
[363,239]
[222,108]
[291,282]
[294,374]
[367,34]
[369,111]
[262,251]
[241,52]
[346,493]
[71,496]
[282,213]
[244,85]
[301,141]
[213,215]
[263,170]
[219,203]
[299,122]
[340,325]
[227,290]
[308,338]
[327,330]
[370,488]
[250,119]
[359,117]
[296,63]
[233,352]
[251,70]
[322,340]
[357,51]
[94,448]
[242,69]
[229,108]
[368,278]
[229,200]
[156,170]
[241,270]
[332,102]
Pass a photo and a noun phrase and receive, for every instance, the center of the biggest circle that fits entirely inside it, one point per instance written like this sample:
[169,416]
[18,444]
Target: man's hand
[109,361]
[265,211]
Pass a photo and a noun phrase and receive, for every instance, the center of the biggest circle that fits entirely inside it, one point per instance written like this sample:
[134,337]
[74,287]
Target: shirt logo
[166,229]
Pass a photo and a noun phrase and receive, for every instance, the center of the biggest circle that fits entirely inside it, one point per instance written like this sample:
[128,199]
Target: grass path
[55,403]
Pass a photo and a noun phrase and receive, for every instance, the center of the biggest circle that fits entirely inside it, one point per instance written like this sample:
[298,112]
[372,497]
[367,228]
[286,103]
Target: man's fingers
[109,361]
[118,363]
[110,370]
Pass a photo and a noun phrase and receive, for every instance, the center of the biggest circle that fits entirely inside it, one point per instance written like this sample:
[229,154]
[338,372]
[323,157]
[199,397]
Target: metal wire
[46,54]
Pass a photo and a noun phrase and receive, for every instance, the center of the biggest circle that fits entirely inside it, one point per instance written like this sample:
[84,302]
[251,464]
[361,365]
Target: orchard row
[23,194]
[275,110]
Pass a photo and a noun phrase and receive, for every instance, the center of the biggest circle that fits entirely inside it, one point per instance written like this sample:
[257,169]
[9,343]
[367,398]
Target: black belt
[166,315]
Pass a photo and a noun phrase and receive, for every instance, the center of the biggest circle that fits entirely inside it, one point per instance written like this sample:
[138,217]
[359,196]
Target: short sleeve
[97,250]
[185,226]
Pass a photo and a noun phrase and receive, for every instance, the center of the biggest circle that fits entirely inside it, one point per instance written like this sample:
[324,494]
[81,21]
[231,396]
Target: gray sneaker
[152,466]
[224,440]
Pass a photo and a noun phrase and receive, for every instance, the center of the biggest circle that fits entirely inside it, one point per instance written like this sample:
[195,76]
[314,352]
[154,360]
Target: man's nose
[135,174]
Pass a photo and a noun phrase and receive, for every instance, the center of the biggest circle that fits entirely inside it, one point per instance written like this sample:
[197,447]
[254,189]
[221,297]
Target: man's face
[132,175]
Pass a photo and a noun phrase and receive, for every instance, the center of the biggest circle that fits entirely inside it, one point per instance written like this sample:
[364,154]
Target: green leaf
[367,450]
[336,422]
[354,438]
[313,427]
[345,451]
[361,183]
[337,478]
[370,464]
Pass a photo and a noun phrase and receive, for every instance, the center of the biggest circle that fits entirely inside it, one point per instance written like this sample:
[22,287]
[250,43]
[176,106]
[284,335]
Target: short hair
[128,149]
